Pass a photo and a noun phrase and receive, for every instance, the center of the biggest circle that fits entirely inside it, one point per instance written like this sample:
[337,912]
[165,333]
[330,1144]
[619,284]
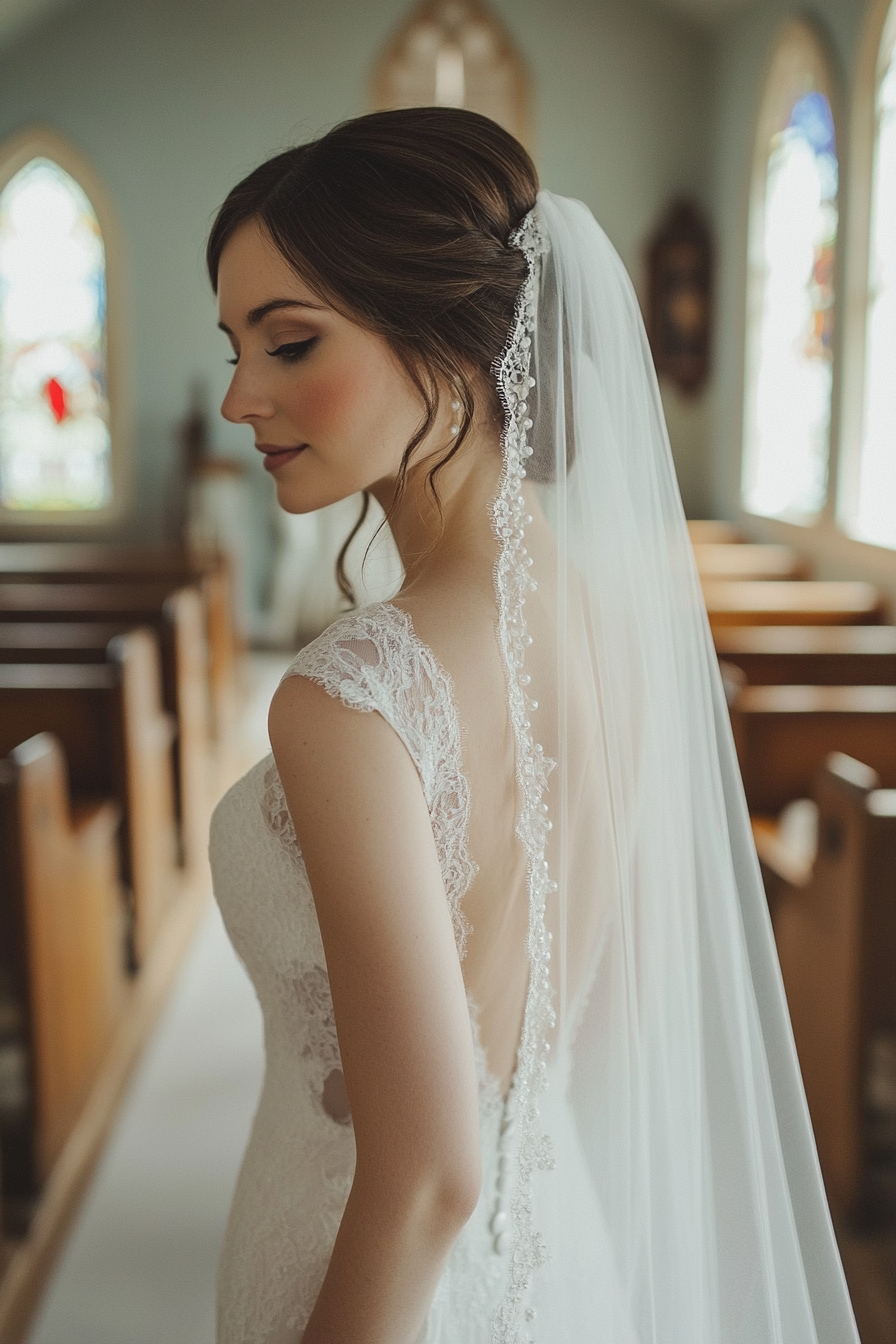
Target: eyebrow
[258,314]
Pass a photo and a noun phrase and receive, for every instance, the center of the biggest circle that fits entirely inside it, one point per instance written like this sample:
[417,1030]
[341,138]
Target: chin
[289,505]
[305,501]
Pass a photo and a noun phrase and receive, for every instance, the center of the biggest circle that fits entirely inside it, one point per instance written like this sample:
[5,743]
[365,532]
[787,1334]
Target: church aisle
[140,1264]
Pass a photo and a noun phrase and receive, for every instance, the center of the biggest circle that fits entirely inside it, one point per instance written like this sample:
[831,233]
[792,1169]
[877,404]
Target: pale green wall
[173,100]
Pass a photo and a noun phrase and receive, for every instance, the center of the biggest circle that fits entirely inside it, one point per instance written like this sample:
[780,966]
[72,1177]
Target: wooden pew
[810,655]
[836,936]
[785,733]
[117,739]
[177,616]
[746,561]
[180,626]
[785,602]
[224,647]
[62,976]
[185,619]
[58,641]
[713,531]
[91,562]
[83,601]
[73,561]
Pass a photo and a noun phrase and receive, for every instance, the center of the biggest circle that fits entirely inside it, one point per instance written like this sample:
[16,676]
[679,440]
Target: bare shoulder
[300,705]
[312,730]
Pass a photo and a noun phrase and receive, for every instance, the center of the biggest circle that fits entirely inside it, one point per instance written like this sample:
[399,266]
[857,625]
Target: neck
[453,538]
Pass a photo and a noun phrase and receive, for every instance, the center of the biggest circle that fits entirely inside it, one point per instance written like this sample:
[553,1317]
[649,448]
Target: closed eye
[292,351]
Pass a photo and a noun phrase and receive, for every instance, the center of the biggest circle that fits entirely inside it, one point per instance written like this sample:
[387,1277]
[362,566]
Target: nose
[245,401]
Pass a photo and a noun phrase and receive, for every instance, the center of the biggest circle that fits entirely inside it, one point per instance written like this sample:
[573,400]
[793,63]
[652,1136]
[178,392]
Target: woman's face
[329,404]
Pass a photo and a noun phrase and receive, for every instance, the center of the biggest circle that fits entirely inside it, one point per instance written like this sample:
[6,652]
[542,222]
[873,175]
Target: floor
[140,1265]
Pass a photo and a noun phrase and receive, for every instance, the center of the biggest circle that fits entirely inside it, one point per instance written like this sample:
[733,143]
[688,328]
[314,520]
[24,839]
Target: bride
[529,1070]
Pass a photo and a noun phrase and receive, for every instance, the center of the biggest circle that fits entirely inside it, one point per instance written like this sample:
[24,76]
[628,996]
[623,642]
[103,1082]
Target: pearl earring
[455,429]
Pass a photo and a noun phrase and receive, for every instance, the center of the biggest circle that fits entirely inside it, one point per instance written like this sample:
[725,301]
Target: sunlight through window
[454,53]
[54,414]
[875,517]
[789,411]
[790,317]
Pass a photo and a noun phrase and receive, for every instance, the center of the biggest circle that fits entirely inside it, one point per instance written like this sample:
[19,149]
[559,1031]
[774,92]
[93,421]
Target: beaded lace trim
[512,582]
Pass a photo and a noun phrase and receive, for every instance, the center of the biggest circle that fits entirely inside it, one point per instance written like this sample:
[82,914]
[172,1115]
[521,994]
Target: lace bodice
[372,660]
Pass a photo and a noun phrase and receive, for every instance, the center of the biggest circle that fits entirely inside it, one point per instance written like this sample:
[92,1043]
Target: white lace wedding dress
[298,1167]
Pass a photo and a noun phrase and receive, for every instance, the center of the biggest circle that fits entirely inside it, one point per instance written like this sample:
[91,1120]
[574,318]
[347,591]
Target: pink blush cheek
[323,405]
[338,400]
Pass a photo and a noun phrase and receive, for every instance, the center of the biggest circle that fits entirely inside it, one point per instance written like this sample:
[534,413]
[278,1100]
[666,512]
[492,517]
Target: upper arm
[363,826]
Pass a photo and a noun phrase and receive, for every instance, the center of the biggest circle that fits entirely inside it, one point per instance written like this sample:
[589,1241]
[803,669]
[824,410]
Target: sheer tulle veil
[654,998]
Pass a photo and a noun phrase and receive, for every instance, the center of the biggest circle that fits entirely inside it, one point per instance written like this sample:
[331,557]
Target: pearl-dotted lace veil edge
[654,997]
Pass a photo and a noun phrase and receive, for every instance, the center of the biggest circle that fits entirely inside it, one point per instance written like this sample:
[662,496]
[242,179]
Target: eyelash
[290,353]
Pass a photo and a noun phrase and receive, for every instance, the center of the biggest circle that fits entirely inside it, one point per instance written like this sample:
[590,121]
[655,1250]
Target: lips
[275,457]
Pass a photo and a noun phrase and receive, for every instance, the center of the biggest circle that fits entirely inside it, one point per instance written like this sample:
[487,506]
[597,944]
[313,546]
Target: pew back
[188,699]
[785,733]
[713,531]
[836,938]
[117,739]
[808,655]
[747,561]
[181,627]
[79,561]
[91,562]
[82,601]
[62,962]
[786,602]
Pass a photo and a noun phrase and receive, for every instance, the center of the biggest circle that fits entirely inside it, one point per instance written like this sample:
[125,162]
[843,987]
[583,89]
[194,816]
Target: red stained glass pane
[55,394]
[55,444]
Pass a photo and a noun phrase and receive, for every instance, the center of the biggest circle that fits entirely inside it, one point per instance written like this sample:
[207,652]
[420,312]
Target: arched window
[455,53]
[790,286]
[56,416]
[870,505]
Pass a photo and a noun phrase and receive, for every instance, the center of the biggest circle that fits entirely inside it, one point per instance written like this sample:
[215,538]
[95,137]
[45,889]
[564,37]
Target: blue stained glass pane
[812,117]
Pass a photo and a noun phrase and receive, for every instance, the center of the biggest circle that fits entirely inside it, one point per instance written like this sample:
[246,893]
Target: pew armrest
[792,863]
[95,821]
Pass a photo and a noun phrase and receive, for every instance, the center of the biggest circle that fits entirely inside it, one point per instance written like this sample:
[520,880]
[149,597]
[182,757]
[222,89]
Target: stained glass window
[55,443]
[875,513]
[794,219]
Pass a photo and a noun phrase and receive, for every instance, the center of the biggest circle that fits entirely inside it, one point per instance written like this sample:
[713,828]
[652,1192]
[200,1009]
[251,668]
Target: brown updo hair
[401,220]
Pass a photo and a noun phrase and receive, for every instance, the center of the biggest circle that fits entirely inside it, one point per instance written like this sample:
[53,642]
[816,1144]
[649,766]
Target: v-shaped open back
[373,660]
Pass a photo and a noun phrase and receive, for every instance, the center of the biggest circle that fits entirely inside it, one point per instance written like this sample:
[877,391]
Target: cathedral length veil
[654,1000]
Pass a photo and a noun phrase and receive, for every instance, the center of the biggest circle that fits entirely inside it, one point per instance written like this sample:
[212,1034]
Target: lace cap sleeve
[358,658]
[371,659]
